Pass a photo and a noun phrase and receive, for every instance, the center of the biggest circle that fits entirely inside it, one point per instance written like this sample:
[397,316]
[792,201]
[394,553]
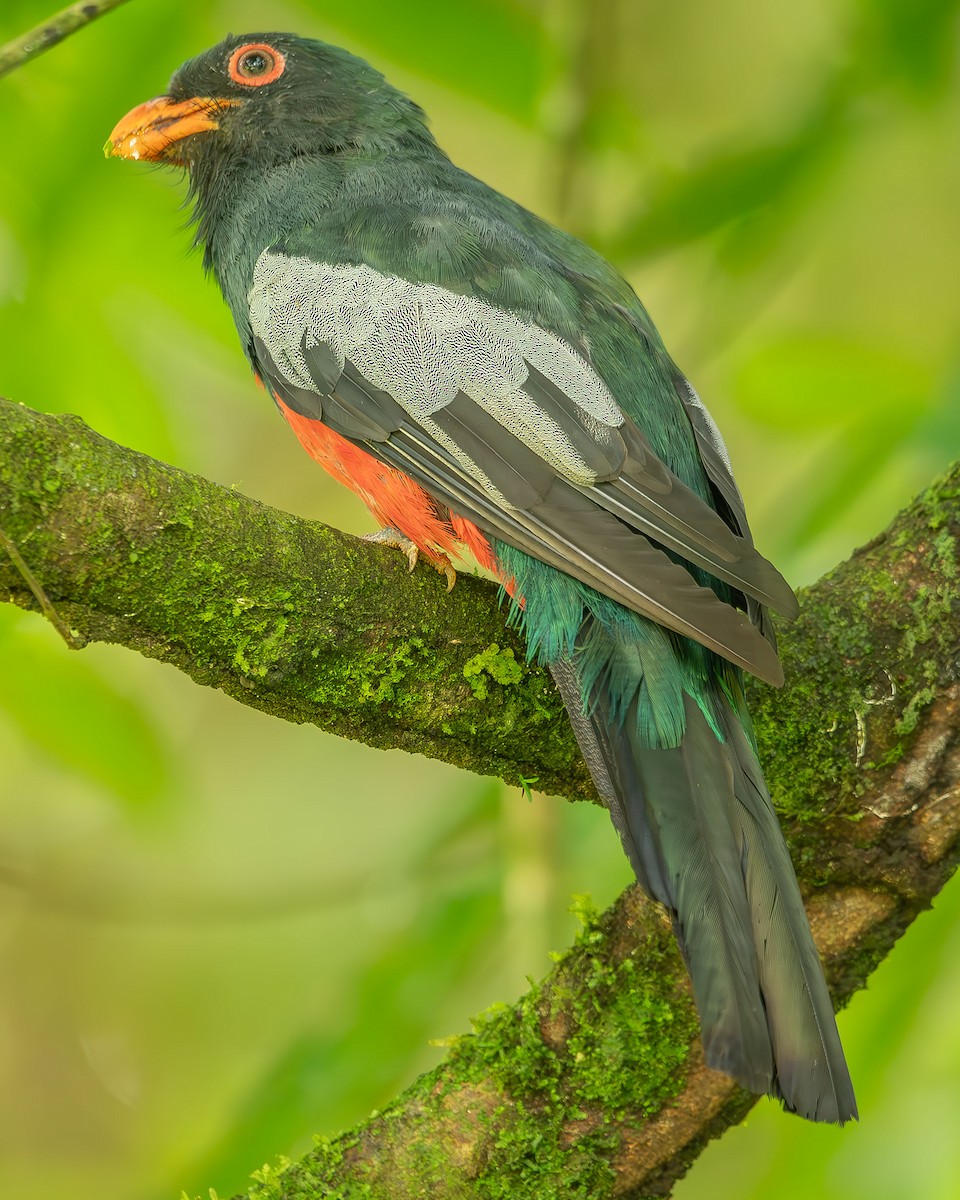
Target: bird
[488,383]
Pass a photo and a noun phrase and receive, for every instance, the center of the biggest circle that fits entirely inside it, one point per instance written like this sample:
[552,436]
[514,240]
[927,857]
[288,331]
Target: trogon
[485,381]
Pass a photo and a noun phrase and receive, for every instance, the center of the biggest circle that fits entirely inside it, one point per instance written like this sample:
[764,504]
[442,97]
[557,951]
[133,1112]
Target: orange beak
[150,130]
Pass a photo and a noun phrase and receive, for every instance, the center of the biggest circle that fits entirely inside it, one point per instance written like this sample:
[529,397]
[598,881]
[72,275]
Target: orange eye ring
[255,64]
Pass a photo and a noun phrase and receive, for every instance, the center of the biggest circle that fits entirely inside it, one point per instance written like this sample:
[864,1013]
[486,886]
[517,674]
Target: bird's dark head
[264,99]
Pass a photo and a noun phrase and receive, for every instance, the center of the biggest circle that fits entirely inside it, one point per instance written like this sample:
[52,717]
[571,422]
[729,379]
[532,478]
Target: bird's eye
[255,64]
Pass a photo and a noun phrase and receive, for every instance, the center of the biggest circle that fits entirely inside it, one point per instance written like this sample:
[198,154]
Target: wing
[511,427]
[716,463]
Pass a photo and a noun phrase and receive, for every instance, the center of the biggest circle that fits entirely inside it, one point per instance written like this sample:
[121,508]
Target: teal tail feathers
[698,826]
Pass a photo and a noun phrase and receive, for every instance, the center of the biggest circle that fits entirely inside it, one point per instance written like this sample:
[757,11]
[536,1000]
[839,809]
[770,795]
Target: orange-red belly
[394,498]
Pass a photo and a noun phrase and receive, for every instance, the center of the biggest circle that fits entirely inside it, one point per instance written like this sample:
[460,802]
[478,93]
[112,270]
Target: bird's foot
[413,553]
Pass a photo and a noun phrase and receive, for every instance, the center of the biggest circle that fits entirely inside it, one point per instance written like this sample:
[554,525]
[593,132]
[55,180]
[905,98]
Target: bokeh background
[220,934]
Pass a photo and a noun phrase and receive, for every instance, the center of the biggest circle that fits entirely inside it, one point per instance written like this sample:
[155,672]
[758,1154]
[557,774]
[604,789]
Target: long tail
[700,831]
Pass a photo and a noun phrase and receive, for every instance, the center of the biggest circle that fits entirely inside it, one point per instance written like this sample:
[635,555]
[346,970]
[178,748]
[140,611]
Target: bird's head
[265,99]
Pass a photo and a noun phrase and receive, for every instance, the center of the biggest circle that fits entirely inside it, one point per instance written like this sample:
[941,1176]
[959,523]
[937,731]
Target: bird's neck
[240,211]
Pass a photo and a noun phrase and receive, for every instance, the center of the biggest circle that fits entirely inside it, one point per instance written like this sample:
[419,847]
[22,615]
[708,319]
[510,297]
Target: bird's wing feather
[511,427]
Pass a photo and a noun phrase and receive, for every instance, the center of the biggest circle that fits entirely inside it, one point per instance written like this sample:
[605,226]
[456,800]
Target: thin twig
[19,51]
[73,640]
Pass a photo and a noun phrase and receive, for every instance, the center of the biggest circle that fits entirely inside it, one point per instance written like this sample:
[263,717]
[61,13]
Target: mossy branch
[592,1084]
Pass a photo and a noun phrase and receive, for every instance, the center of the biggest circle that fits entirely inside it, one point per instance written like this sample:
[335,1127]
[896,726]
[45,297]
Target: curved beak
[150,130]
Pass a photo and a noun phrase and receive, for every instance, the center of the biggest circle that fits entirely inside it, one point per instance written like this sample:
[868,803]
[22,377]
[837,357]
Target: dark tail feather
[698,827]
[812,1076]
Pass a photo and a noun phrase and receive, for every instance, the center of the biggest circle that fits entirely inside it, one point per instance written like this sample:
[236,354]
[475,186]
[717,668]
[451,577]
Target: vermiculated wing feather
[519,473]
[599,446]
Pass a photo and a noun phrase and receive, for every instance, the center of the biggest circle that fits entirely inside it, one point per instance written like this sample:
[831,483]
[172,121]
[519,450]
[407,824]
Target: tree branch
[594,1082]
[283,615]
[43,37]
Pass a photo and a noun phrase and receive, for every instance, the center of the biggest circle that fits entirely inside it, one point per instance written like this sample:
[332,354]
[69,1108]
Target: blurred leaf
[840,478]
[941,429]
[397,999]
[870,398]
[681,207]
[70,713]
[914,42]
[811,383]
[488,49]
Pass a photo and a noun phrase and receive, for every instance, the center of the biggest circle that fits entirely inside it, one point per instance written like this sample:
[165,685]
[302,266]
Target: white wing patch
[710,428]
[423,344]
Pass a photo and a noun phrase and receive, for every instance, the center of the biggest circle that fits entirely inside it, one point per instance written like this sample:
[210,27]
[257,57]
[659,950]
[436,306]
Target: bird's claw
[412,552]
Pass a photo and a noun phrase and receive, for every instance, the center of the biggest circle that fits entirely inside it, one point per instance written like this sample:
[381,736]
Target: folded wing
[511,427]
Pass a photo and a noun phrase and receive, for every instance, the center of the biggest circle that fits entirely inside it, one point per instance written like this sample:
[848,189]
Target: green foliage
[499,62]
[76,719]
[269,955]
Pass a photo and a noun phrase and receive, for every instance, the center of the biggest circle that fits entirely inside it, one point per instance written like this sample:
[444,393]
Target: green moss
[390,670]
[571,1058]
[500,665]
[909,718]
[380,677]
[875,644]
[947,551]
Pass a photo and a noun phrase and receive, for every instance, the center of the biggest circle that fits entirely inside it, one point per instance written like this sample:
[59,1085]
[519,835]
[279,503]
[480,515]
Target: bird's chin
[153,132]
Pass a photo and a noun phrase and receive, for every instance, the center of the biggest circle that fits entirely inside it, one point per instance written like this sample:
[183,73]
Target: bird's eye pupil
[255,63]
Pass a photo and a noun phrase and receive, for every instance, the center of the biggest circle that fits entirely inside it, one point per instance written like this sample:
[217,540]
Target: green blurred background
[220,934]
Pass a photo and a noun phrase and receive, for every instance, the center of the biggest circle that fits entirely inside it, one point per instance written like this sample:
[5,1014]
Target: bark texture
[593,1083]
